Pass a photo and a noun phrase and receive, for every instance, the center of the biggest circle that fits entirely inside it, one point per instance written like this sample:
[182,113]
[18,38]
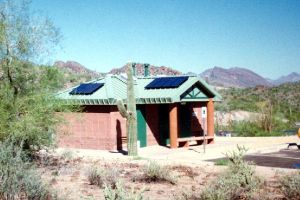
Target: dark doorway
[163,124]
[185,121]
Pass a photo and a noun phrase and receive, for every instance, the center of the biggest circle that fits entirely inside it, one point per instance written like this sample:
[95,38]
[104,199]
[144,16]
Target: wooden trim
[124,139]
[189,139]
[210,118]
[173,124]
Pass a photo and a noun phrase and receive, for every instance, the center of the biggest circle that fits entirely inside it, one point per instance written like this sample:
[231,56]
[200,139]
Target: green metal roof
[115,87]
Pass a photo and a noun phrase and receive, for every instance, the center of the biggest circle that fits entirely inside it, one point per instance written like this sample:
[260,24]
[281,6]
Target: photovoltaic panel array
[86,88]
[166,82]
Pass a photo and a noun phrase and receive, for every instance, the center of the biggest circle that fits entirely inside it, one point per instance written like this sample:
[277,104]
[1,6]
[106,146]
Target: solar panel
[166,82]
[86,88]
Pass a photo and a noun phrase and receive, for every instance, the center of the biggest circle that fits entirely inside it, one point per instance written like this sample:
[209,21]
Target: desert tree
[27,106]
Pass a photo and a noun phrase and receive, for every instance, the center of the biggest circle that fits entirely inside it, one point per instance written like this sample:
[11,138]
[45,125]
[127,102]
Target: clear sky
[188,35]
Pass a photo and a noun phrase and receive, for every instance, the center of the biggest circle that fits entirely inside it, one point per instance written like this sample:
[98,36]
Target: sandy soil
[67,170]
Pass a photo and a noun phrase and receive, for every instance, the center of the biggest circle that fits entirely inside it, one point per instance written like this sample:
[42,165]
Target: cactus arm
[122,109]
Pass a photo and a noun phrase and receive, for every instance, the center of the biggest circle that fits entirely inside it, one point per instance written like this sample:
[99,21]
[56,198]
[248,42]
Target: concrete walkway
[193,154]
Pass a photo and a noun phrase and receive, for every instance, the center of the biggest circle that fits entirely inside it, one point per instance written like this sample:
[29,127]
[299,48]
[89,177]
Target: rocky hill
[233,77]
[290,78]
[285,97]
[153,70]
[76,68]
[76,73]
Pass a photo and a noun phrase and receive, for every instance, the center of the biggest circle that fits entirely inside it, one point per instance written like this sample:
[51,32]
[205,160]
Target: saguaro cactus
[130,113]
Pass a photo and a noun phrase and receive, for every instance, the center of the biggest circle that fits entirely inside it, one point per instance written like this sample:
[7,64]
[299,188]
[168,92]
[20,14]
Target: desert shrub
[35,189]
[186,170]
[18,178]
[290,186]
[96,176]
[120,193]
[187,194]
[253,129]
[103,176]
[153,172]
[68,154]
[111,177]
[12,169]
[246,129]
[238,182]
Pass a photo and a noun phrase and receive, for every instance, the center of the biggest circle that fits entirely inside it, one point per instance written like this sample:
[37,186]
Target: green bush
[35,189]
[17,177]
[237,182]
[31,117]
[12,169]
[153,172]
[120,193]
[253,129]
[290,186]
[102,176]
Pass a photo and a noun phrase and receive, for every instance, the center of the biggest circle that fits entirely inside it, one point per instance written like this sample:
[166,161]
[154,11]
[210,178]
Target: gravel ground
[270,154]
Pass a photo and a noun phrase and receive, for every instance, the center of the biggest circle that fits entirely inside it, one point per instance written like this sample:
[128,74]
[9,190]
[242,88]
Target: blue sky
[189,35]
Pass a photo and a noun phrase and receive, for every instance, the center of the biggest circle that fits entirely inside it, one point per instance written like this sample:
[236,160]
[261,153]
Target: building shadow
[119,135]
[119,139]
[289,159]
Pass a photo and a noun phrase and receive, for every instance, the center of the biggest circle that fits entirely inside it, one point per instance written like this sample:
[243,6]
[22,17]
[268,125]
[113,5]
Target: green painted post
[141,125]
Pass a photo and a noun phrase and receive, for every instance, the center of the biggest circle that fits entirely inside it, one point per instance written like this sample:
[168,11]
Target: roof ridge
[152,77]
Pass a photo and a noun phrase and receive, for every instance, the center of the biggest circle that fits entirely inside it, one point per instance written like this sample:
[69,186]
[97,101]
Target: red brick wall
[152,124]
[102,127]
[94,128]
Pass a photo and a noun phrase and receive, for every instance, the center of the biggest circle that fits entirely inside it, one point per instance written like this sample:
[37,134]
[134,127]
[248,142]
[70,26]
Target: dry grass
[153,172]
[185,171]
[155,180]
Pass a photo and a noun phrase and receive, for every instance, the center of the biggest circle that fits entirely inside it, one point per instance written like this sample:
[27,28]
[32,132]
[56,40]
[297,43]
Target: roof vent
[146,70]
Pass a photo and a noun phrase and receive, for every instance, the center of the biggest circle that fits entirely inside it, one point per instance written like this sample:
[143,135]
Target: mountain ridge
[233,77]
[290,78]
[236,77]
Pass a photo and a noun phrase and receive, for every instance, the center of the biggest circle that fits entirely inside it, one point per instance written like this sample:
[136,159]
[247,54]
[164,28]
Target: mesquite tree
[27,106]
[130,113]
